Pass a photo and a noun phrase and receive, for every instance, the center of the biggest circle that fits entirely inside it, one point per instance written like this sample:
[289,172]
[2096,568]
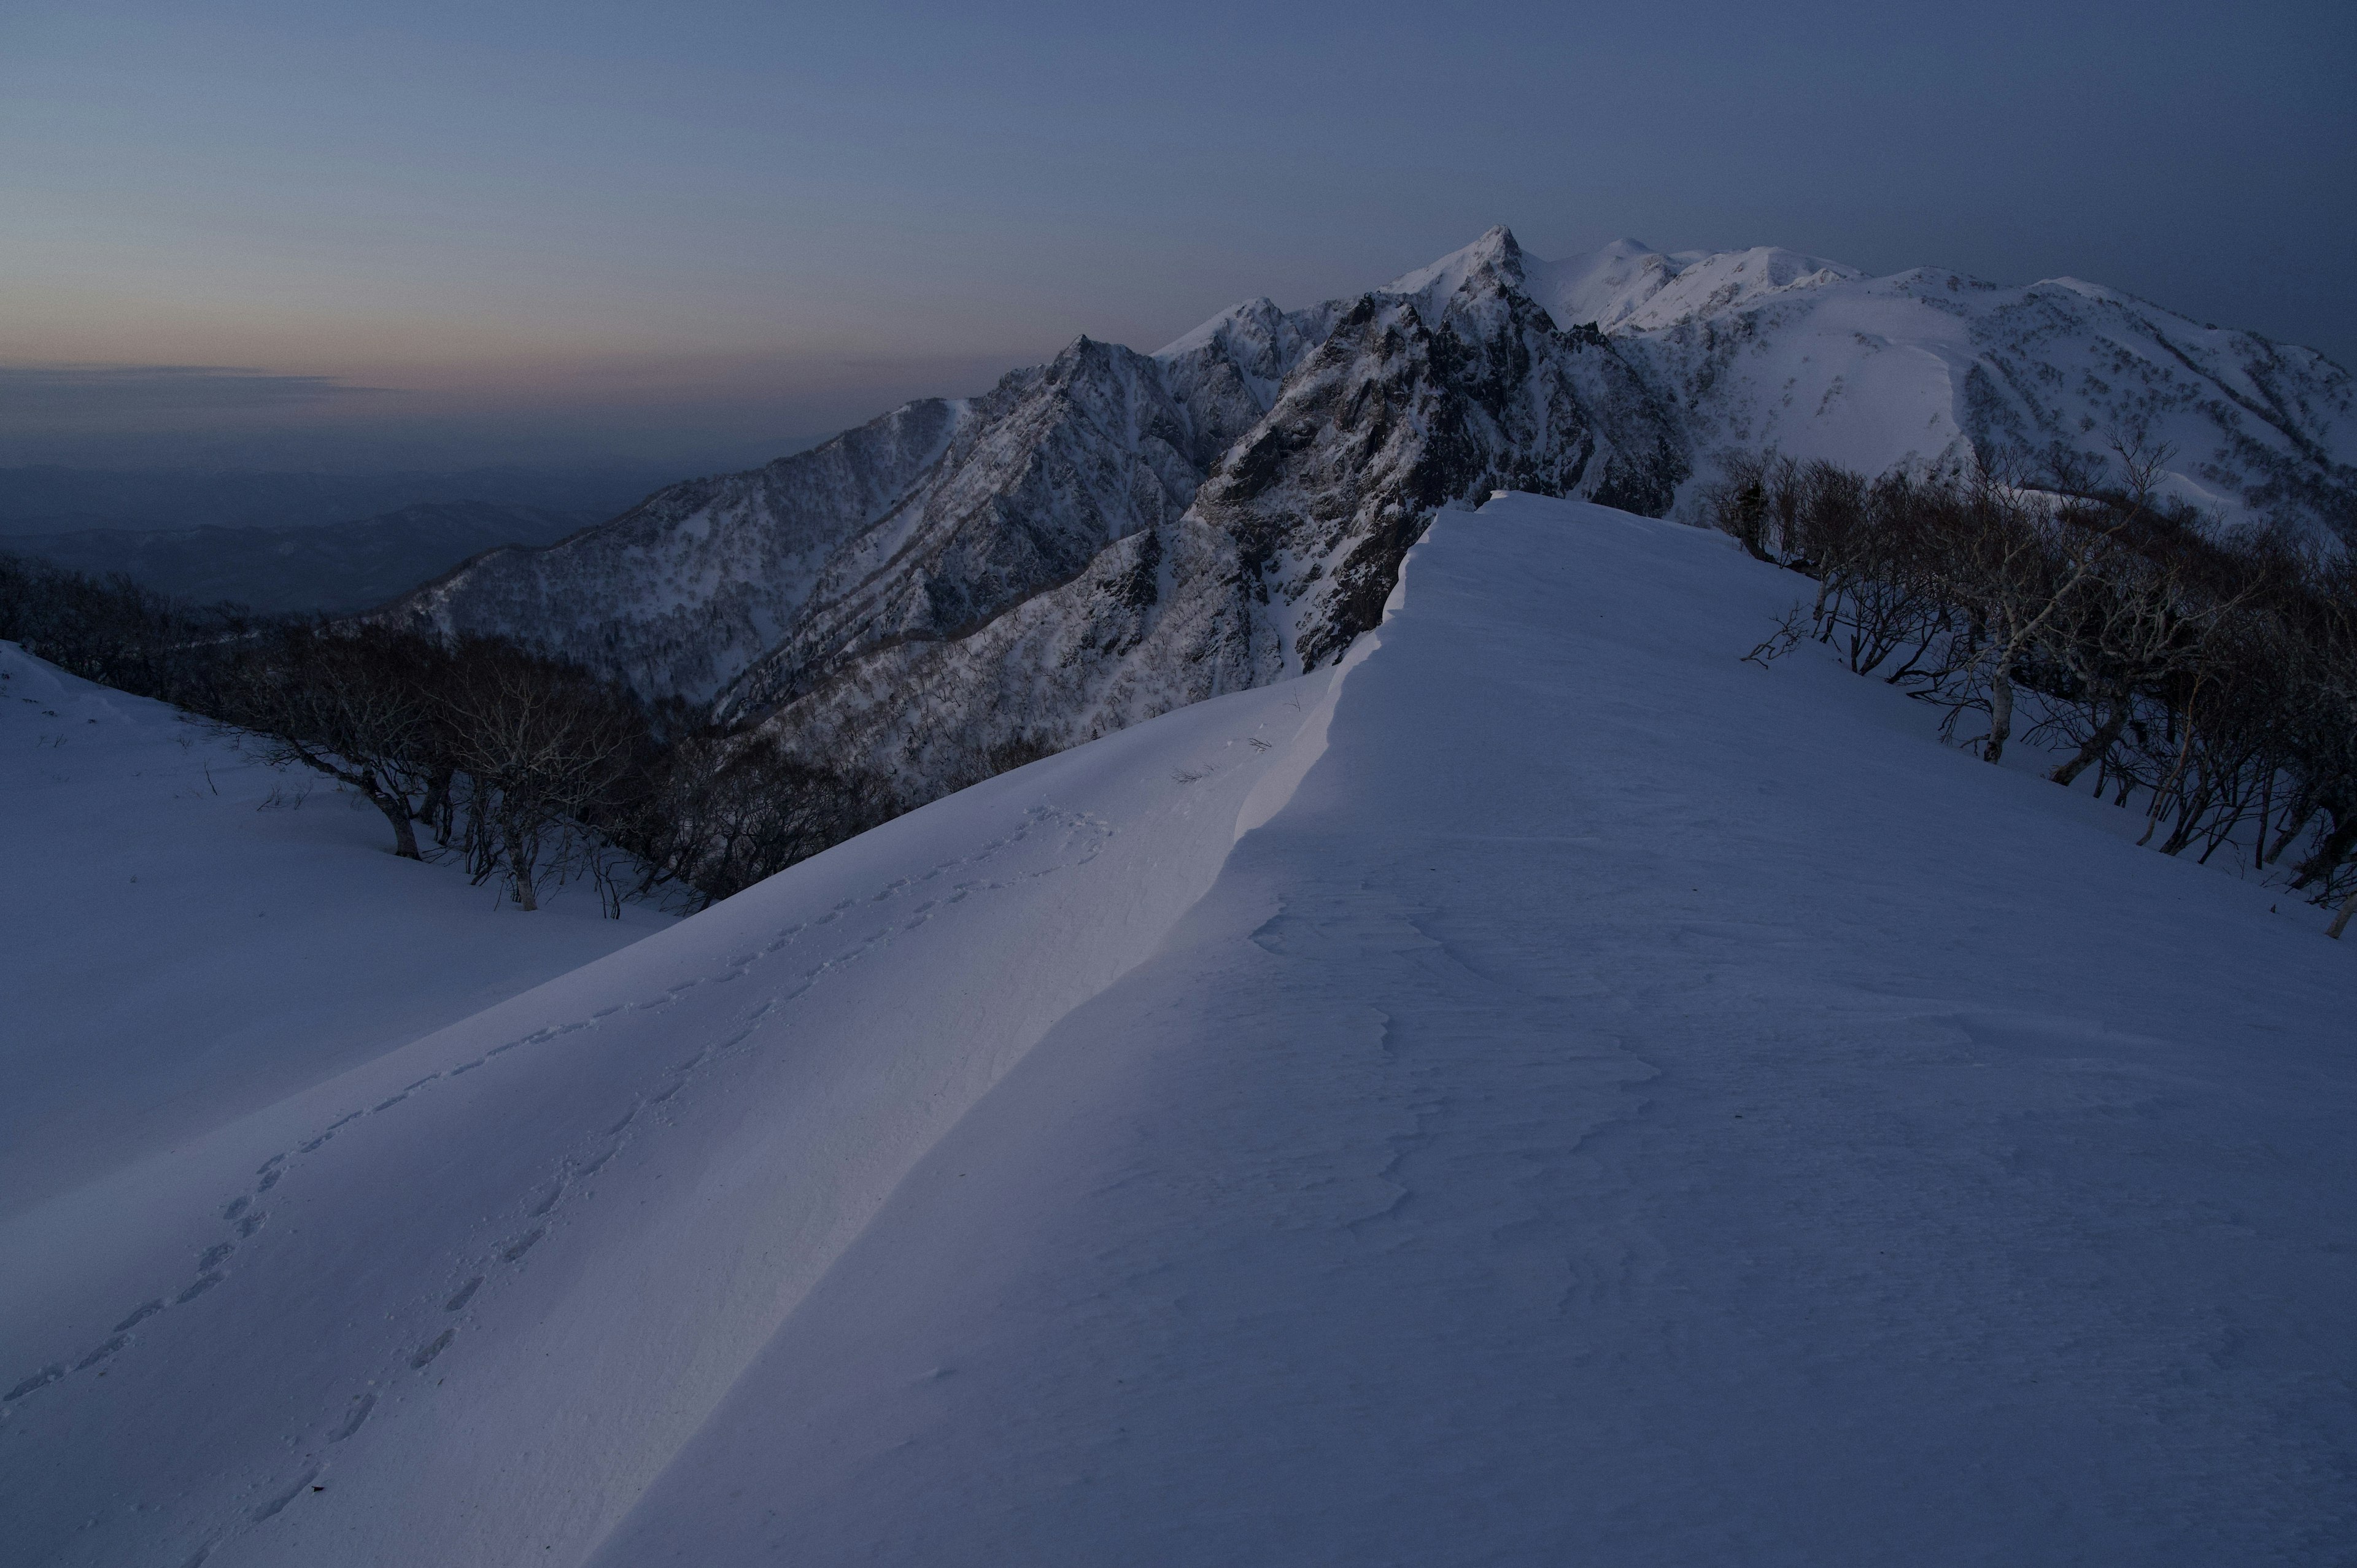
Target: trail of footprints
[244,1215]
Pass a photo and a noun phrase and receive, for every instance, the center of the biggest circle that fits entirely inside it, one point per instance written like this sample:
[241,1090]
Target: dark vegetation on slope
[530,770]
[2207,678]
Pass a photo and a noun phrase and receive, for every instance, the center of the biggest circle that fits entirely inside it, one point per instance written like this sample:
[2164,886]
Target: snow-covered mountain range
[1114,534]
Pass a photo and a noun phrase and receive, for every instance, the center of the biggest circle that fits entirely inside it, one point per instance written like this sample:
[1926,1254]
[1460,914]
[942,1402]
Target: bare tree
[549,751]
[2215,674]
[355,704]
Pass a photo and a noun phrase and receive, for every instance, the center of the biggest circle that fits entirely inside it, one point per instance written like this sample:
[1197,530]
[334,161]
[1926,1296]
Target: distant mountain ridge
[1114,534]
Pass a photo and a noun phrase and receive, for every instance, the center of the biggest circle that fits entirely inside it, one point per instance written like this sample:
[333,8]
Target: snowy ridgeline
[1546,1090]
[1114,534]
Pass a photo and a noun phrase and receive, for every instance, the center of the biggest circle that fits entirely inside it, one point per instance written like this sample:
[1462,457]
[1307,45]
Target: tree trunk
[1752,513]
[2000,716]
[2340,921]
[521,869]
[2105,737]
[394,807]
[2190,811]
[2331,852]
[435,811]
[2296,823]
[397,811]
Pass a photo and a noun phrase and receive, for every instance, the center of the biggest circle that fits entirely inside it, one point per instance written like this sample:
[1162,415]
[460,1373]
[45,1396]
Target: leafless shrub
[531,770]
[2210,680]
[1787,634]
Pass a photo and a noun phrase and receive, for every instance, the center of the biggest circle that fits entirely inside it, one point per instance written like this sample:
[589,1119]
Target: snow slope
[1765,348]
[1563,1094]
[1624,287]
[172,957]
[1109,535]
[487,1285]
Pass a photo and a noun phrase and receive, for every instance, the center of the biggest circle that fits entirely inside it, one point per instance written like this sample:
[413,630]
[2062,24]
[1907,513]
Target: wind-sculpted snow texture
[188,934]
[1627,1106]
[458,1304]
[1544,1091]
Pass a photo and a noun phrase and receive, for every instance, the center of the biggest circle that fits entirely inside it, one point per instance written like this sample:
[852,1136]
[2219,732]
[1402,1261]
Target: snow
[1431,287]
[1547,1090]
[1766,348]
[1211,334]
[1625,286]
[176,951]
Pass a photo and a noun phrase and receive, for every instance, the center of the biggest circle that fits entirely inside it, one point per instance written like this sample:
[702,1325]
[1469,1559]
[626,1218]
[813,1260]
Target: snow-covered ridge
[1549,1090]
[611,1188]
[1929,368]
[1625,285]
[1113,534]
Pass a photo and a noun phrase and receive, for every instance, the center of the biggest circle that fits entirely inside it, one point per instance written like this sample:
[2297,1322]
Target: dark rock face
[1113,534]
[1045,471]
[1095,540]
[1291,543]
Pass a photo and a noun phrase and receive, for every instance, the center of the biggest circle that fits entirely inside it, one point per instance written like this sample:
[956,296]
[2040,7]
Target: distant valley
[327,568]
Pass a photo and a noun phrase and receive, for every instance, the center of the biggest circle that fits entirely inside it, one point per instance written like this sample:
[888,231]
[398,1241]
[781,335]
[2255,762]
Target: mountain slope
[1764,348]
[1543,1089]
[1416,398]
[188,935]
[1101,538]
[917,526]
[679,591]
[1066,469]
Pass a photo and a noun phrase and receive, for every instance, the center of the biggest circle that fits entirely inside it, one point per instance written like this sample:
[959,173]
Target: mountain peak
[1497,237]
[1495,254]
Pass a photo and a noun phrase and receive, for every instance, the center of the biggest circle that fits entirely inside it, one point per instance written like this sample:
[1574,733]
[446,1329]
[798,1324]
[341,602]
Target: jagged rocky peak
[959,584]
[1413,397]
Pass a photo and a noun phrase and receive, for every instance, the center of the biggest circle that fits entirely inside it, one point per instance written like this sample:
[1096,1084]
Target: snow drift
[1544,1091]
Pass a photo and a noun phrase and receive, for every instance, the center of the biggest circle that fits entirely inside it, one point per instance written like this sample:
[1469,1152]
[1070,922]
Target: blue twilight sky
[407,233]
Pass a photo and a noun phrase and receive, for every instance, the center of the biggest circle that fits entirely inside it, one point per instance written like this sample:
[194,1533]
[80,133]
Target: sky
[417,234]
